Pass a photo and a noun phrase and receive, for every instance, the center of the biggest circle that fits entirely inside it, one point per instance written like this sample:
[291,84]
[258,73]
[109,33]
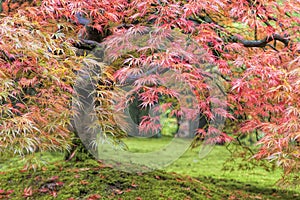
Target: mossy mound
[94,180]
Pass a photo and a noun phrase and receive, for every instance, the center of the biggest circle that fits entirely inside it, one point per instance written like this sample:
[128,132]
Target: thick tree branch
[263,42]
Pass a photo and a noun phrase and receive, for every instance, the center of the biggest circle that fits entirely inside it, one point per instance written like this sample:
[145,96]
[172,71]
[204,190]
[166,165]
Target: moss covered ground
[187,178]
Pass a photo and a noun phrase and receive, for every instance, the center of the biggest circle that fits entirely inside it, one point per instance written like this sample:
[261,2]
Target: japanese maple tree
[253,44]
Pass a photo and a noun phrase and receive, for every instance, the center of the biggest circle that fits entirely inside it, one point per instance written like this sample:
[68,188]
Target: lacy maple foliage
[36,77]
[254,44]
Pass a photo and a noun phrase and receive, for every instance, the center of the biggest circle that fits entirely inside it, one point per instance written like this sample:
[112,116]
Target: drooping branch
[132,78]
[5,56]
[247,43]
[86,44]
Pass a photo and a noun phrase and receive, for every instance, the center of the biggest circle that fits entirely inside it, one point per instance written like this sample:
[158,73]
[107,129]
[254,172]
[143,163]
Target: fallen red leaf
[43,190]
[133,185]
[59,183]
[77,176]
[25,168]
[27,192]
[117,191]
[53,178]
[9,191]
[94,197]
[53,193]
[84,182]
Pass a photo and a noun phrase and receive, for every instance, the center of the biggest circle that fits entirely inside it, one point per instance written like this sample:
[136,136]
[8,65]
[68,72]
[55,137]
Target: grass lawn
[189,177]
[210,166]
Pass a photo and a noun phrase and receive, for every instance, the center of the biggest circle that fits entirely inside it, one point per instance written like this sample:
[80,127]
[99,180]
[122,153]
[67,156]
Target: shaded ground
[94,180]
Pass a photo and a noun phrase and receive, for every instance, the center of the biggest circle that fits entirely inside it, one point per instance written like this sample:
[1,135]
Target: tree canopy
[253,47]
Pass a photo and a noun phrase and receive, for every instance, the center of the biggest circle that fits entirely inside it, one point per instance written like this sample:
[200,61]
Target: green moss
[80,180]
